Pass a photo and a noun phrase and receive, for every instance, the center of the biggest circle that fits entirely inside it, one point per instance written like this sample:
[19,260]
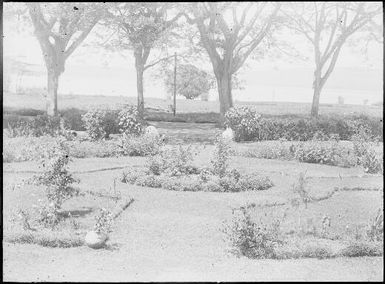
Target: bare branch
[157,62]
[79,40]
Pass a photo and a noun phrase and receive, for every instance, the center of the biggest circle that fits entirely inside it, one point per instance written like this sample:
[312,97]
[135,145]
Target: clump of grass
[356,249]
[298,250]
[45,238]
[375,231]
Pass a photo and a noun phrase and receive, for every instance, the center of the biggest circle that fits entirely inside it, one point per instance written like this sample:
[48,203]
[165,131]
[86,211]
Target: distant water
[259,86]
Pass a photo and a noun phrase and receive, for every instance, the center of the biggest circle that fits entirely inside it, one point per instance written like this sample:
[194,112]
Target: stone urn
[96,240]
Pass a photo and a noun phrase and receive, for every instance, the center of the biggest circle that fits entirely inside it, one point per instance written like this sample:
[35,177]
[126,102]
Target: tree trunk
[52,87]
[225,96]
[317,86]
[315,103]
[139,87]
[139,65]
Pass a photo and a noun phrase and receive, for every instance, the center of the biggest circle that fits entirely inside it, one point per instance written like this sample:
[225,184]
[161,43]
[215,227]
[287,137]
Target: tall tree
[328,26]
[60,28]
[141,27]
[230,32]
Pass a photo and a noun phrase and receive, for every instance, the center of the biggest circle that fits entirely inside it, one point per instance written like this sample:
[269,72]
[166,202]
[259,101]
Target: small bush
[111,122]
[253,182]
[94,123]
[144,145]
[251,239]
[129,121]
[48,215]
[366,155]
[73,117]
[174,162]
[56,177]
[221,156]
[130,176]
[371,162]
[104,221]
[149,180]
[244,122]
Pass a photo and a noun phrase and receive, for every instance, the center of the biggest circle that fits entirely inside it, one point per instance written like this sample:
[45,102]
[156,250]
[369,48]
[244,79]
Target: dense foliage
[191,82]
[248,125]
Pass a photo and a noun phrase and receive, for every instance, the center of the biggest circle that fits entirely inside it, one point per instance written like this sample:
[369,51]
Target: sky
[91,71]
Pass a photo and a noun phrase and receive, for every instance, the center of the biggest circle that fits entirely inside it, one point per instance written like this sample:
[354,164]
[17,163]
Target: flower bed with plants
[47,223]
[174,170]
[358,152]
[294,229]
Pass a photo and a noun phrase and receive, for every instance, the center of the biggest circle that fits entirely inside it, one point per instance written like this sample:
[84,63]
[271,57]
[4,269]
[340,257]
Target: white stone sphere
[95,240]
[228,134]
[152,131]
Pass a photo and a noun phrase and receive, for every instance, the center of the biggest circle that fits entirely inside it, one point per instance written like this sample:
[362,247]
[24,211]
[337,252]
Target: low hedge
[267,127]
[248,125]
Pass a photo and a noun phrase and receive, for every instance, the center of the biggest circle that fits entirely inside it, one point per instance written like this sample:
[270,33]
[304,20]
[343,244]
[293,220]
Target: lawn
[172,236]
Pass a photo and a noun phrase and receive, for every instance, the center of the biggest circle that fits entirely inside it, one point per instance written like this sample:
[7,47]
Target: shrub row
[194,182]
[73,118]
[19,149]
[246,122]
[248,125]
[334,153]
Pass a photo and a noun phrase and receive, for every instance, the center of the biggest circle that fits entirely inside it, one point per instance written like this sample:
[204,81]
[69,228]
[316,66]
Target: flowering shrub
[253,239]
[328,153]
[371,162]
[130,122]
[174,162]
[244,122]
[93,123]
[249,126]
[104,221]
[221,156]
[366,155]
[55,176]
[144,145]
[48,215]
[252,182]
